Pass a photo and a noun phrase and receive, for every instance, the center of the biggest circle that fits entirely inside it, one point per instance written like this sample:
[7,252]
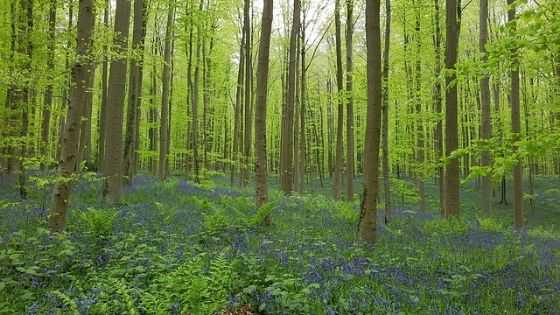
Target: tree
[261,106]
[452,202]
[515,120]
[339,163]
[248,110]
[368,217]
[385,131]
[350,99]
[287,146]
[485,117]
[135,90]
[166,78]
[104,95]
[70,141]
[45,129]
[112,166]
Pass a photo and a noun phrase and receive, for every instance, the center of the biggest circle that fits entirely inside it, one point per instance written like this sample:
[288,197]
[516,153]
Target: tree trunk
[166,78]
[368,216]
[104,95]
[486,117]
[114,114]
[70,145]
[516,122]
[238,109]
[135,90]
[452,173]
[248,95]
[48,98]
[350,105]
[339,163]
[419,120]
[385,131]
[287,149]
[438,139]
[260,110]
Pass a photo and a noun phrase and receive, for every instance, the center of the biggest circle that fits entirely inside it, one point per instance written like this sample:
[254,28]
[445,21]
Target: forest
[239,157]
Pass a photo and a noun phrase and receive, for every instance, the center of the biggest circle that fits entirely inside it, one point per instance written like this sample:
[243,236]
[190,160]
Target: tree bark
[166,78]
[80,71]
[114,114]
[350,96]
[385,131]
[261,107]
[419,120]
[48,97]
[135,90]
[438,138]
[287,149]
[368,217]
[452,172]
[339,163]
[248,110]
[516,121]
[486,117]
[104,95]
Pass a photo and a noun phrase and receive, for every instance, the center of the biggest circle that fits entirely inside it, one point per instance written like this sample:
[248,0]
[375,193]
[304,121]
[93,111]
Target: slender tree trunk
[419,120]
[48,97]
[339,163]
[287,150]
[350,105]
[452,172]
[486,117]
[368,216]
[70,145]
[261,107]
[516,122]
[302,111]
[385,131]
[237,128]
[438,138]
[166,78]
[248,136]
[135,90]
[104,95]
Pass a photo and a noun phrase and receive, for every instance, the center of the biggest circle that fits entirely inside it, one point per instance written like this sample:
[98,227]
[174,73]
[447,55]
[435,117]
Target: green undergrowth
[181,248]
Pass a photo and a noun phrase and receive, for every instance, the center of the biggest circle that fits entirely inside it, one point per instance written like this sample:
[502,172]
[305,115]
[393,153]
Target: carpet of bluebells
[184,248]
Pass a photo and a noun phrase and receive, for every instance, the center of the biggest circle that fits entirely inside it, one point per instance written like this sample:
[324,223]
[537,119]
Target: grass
[181,248]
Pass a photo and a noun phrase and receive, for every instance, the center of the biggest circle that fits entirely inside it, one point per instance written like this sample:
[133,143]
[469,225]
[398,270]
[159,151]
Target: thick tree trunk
[70,145]
[287,149]
[85,133]
[112,167]
[261,106]
[368,217]
[166,78]
[452,173]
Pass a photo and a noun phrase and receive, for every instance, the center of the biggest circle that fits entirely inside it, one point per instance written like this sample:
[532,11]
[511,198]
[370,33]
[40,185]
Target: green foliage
[97,222]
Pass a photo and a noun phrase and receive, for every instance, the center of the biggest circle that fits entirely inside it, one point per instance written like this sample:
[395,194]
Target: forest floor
[181,248]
